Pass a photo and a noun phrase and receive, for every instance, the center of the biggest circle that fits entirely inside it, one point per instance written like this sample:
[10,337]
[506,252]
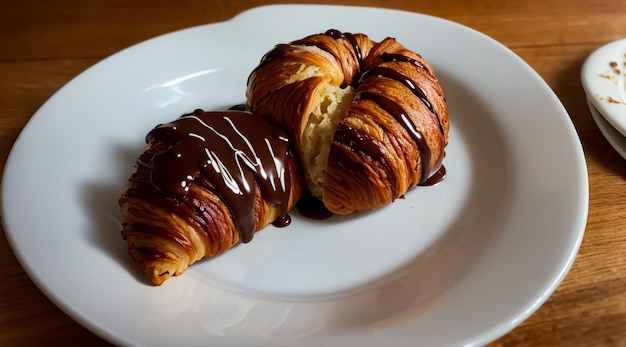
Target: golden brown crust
[289,85]
[165,235]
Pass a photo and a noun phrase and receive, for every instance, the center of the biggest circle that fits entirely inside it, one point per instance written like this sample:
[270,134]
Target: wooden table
[44,44]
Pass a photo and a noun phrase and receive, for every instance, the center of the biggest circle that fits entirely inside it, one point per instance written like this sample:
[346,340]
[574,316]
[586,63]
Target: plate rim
[104,332]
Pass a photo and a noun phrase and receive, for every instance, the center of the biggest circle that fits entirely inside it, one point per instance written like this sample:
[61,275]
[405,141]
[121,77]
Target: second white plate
[603,77]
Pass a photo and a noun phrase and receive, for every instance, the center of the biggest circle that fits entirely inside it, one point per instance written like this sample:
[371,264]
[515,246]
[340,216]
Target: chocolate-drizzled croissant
[204,182]
[369,120]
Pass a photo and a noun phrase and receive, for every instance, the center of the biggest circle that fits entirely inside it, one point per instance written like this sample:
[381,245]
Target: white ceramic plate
[603,77]
[460,263]
[617,140]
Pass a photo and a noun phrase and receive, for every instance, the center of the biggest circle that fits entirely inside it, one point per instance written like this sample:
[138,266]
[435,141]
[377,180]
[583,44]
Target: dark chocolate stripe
[354,139]
[416,89]
[275,53]
[357,140]
[394,109]
[407,82]
[355,46]
[336,34]
[399,57]
[278,51]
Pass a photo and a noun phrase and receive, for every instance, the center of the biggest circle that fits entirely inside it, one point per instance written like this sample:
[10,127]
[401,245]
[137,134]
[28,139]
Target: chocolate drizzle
[437,177]
[234,152]
[278,51]
[407,82]
[336,34]
[399,57]
[414,87]
[394,109]
[364,143]
[275,53]
[352,138]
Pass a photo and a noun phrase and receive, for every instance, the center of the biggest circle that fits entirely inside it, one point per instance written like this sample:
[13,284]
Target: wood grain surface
[44,44]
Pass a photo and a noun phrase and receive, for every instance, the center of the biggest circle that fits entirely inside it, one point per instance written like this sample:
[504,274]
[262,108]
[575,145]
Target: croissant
[204,182]
[368,119]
